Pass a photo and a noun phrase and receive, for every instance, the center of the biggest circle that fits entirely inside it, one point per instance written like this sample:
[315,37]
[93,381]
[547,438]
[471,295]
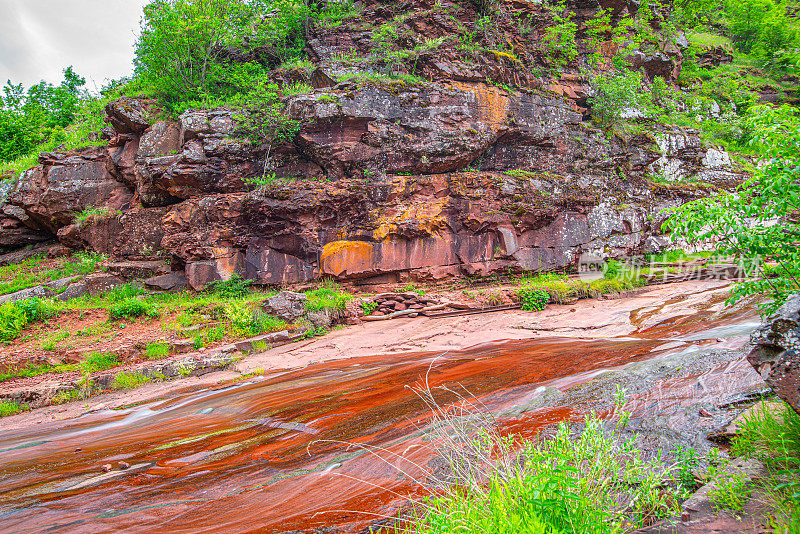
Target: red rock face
[67,184]
[386,179]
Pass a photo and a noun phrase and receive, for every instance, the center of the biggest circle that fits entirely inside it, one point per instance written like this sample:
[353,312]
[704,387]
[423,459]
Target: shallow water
[289,451]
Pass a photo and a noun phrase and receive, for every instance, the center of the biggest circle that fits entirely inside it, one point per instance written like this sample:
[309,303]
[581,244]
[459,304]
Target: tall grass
[586,481]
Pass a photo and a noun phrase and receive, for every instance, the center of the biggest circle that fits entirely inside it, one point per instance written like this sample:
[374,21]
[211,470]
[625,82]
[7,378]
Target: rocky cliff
[386,179]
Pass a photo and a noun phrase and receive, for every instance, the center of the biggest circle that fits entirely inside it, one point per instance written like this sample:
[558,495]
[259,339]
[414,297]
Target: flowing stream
[287,452]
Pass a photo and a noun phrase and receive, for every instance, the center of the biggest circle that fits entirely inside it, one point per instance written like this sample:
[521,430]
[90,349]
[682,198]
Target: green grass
[210,336]
[706,40]
[595,482]
[29,272]
[11,408]
[63,397]
[129,380]
[676,256]
[157,350]
[15,316]
[327,297]
[773,437]
[36,370]
[132,307]
[99,361]
[562,289]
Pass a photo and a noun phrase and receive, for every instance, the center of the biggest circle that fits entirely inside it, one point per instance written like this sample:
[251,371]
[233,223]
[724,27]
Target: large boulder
[128,115]
[776,355]
[16,228]
[65,184]
[286,305]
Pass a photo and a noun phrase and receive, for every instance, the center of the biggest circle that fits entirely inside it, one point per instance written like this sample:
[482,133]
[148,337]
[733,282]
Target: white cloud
[40,38]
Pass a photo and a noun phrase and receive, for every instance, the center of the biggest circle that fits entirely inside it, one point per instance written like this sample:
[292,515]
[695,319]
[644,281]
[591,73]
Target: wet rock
[320,319]
[775,356]
[32,292]
[58,251]
[286,305]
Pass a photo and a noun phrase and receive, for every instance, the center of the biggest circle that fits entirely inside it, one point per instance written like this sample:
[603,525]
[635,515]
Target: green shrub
[616,92]
[533,299]
[369,307]
[15,316]
[559,38]
[12,321]
[179,54]
[132,307]
[36,309]
[233,288]
[156,350]
[328,297]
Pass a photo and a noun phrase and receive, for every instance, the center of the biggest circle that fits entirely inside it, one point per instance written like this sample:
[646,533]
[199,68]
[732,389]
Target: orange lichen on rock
[341,257]
[427,216]
[492,102]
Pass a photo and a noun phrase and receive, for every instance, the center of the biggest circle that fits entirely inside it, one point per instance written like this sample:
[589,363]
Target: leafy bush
[132,307]
[233,288]
[616,92]
[40,114]
[369,307]
[559,38]
[534,299]
[755,223]
[182,50]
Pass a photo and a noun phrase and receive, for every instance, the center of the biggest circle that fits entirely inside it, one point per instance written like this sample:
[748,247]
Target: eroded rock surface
[386,180]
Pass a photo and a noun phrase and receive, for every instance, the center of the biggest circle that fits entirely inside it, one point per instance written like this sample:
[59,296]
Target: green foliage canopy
[195,53]
[29,118]
[757,223]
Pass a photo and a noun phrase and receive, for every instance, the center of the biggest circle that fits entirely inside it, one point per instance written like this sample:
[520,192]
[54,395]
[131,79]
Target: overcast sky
[40,38]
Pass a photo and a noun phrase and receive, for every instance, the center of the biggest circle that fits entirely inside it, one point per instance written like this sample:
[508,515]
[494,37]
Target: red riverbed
[287,452]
